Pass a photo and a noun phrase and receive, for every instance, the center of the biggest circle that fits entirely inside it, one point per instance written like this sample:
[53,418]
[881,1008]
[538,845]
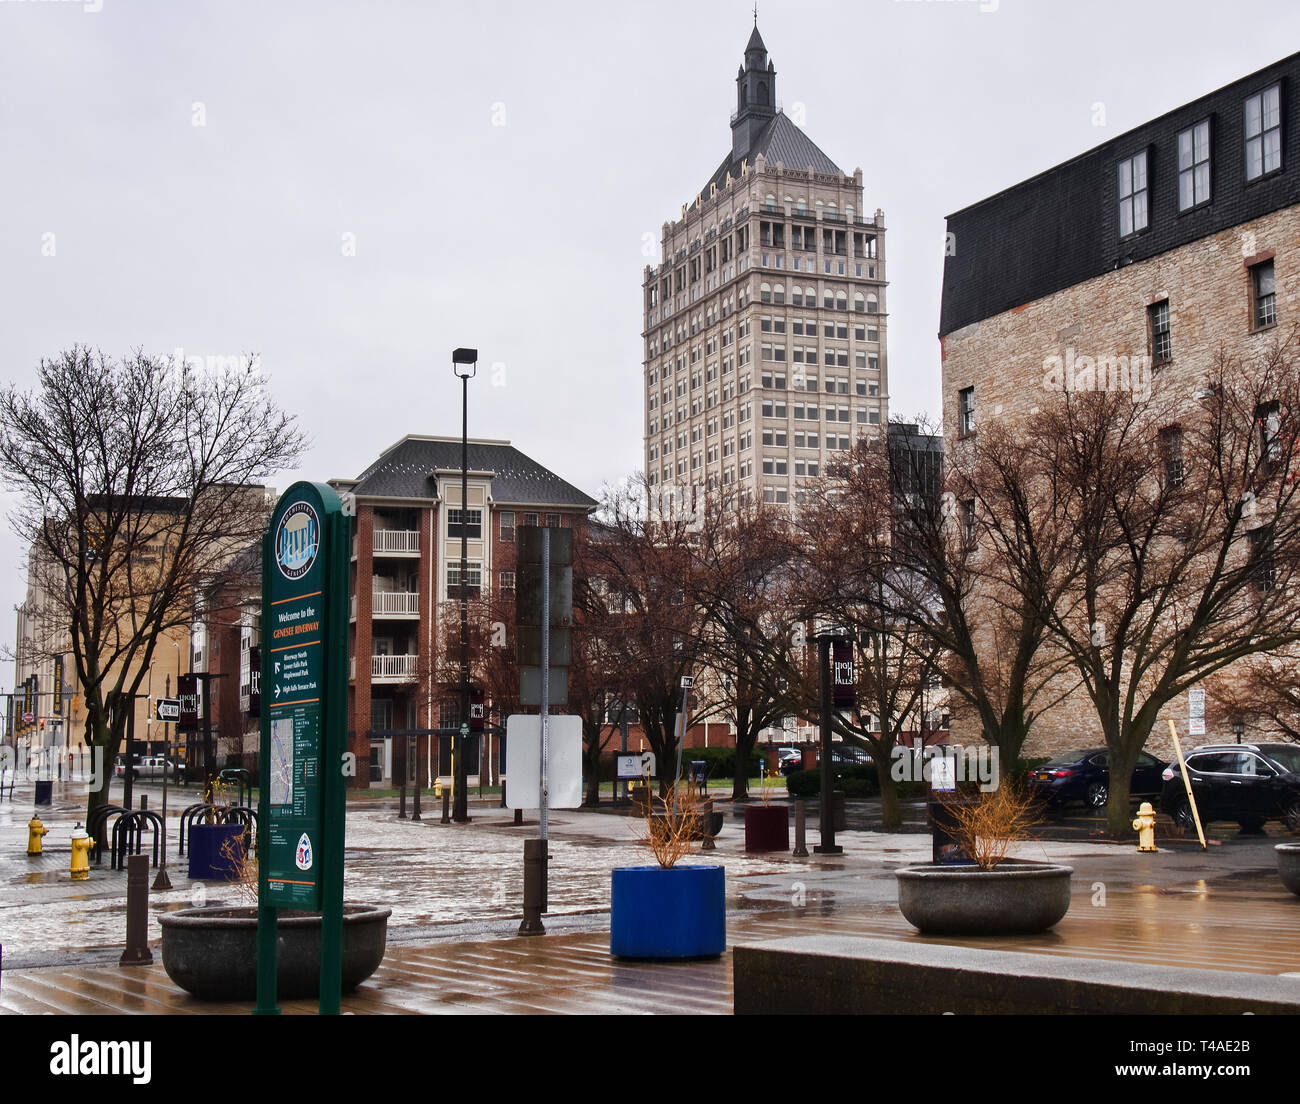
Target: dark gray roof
[404,472]
[780,141]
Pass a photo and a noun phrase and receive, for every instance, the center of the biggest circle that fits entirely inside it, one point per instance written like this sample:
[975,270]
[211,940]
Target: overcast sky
[354,189]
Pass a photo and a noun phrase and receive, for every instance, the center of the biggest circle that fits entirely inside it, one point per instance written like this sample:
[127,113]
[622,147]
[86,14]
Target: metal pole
[827,845]
[415,811]
[128,773]
[461,813]
[163,881]
[546,680]
[622,739]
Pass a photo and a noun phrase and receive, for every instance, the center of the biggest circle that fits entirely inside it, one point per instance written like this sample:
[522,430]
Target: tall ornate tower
[764,322]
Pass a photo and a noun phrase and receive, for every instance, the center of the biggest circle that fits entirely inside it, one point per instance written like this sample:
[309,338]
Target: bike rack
[96,823]
[128,835]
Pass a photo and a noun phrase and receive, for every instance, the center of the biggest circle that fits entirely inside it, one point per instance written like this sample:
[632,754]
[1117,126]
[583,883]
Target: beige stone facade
[1004,363]
[765,323]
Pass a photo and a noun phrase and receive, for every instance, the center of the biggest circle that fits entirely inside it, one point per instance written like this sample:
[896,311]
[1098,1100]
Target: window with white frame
[1194,166]
[1263,132]
[1133,194]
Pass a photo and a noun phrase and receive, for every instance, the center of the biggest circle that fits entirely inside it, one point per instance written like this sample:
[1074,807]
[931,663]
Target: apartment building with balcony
[405,579]
[764,335]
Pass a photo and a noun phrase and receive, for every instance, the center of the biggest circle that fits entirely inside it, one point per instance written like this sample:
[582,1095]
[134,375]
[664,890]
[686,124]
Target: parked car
[1248,783]
[788,759]
[147,766]
[1085,776]
[849,753]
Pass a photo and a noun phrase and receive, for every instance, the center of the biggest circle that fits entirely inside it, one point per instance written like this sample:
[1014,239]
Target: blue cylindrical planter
[207,862]
[680,912]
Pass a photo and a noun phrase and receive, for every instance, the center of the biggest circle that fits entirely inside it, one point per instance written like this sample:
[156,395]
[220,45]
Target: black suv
[1248,783]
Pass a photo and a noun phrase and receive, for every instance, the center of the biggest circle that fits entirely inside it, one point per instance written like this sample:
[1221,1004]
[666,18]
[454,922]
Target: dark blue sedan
[1085,776]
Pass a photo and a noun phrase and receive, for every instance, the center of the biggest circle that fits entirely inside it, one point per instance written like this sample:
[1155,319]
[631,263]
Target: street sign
[524,756]
[28,718]
[634,765]
[169,709]
[688,681]
[305,567]
[187,690]
[843,678]
[1195,712]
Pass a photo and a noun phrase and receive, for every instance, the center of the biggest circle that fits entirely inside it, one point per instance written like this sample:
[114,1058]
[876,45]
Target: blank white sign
[524,762]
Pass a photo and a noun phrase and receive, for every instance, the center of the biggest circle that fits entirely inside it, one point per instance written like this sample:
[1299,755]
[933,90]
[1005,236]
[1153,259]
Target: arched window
[762,93]
[831,209]
[873,305]
[765,293]
[796,296]
[770,201]
[778,293]
[859,302]
[828,299]
[810,296]
[841,300]
[803,205]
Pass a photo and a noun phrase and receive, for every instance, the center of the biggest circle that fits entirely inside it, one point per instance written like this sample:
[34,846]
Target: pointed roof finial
[755,15]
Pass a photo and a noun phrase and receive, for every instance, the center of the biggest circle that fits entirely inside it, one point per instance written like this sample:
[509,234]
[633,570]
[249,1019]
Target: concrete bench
[814,975]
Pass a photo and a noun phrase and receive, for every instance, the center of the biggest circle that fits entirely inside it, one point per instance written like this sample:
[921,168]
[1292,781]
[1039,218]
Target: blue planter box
[675,913]
[206,859]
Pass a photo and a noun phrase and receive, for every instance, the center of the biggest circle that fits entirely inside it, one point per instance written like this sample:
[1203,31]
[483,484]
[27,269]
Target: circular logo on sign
[297,540]
[303,855]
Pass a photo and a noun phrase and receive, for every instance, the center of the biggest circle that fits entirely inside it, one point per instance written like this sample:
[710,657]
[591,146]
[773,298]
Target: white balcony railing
[394,667]
[395,603]
[401,541]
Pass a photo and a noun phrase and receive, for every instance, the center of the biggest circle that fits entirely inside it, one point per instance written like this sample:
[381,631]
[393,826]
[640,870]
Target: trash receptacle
[698,774]
[945,847]
[44,791]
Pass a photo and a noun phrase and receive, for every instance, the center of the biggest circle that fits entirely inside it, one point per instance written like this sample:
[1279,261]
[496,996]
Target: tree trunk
[1119,812]
[745,740]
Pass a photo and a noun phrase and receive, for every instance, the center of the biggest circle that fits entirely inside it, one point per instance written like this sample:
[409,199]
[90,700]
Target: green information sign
[304,701]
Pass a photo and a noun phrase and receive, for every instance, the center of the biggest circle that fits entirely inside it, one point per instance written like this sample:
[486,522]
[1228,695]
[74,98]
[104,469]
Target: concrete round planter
[767,828]
[212,952]
[1288,865]
[678,912]
[1014,898]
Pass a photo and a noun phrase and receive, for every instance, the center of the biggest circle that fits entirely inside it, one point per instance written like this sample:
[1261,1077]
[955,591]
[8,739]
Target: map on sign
[282,761]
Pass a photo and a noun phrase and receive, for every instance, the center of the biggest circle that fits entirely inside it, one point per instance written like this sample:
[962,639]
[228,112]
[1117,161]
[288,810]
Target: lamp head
[464,362]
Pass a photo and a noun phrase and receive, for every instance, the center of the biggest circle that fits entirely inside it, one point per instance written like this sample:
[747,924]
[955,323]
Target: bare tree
[743,587]
[1186,521]
[642,555]
[136,480]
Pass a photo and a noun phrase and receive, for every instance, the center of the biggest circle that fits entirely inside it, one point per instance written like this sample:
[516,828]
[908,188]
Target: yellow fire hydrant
[35,830]
[81,845]
[437,788]
[1146,827]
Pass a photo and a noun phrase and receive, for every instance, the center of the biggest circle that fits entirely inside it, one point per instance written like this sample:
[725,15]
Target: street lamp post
[464,363]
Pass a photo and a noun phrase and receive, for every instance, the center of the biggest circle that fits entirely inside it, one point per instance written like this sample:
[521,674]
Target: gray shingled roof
[404,472]
[780,141]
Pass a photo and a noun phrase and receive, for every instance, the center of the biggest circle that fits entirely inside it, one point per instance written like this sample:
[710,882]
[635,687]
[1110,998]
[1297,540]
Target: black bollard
[534,887]
[137,951]
[446,806]
[800,823]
